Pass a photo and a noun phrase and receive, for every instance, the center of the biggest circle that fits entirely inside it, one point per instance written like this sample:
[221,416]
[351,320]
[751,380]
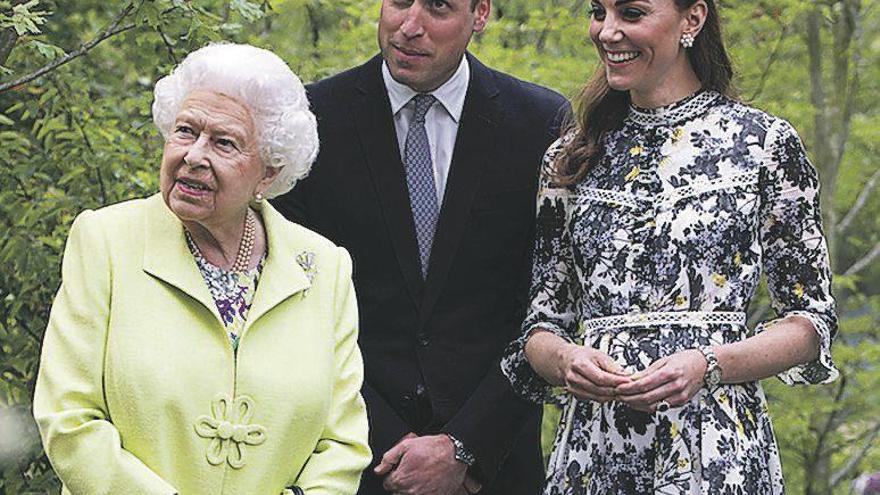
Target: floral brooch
[306,261]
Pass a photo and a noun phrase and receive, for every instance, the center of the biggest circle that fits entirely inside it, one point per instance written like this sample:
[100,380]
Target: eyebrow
[234,131]
[618,3]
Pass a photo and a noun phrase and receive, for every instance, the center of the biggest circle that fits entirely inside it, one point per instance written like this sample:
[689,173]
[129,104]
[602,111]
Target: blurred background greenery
[75,132]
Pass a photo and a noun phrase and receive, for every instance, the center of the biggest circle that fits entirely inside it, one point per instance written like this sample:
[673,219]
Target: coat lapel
[375,126]
[167,257]
[474,146]
[282,275]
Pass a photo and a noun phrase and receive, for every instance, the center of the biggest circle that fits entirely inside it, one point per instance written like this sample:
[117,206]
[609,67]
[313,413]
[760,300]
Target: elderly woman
[200,343]
[656,216]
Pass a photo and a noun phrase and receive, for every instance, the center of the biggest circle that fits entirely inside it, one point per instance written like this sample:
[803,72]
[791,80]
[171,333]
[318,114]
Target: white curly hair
[286,129]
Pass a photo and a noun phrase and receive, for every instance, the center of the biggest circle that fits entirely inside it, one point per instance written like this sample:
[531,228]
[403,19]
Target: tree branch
[771,60]
[851,31]
[860,202]
[854,461]
[112,30]
[82,131]
[831,421]
[864,262]
[168,46]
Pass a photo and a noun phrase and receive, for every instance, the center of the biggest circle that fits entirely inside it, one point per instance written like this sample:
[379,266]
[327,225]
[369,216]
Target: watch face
[714,376]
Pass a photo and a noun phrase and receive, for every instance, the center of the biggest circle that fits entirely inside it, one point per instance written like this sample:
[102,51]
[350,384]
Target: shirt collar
[450,94]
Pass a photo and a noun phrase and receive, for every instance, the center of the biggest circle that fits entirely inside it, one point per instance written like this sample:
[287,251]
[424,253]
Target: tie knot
[423,104]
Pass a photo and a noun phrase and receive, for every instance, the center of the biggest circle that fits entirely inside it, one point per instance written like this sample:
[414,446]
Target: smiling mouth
[408,52]
[622,57]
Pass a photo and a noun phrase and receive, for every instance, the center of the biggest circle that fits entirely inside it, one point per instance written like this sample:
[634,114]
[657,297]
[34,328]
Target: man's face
[422,41]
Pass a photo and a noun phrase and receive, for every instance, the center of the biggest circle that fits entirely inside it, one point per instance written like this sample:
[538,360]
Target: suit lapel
[474,146]
[375,126]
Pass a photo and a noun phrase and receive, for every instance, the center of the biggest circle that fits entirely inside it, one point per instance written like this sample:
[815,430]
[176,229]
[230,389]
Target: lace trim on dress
[630,200]
[696,318]
[612,197]
[680,111]
[700,187]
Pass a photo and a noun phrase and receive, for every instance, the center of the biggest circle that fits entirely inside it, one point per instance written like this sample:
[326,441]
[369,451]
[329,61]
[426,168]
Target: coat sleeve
[83,445]
[794,248]
[335,466]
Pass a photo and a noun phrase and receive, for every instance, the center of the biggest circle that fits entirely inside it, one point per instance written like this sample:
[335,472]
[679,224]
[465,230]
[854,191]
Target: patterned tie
[420,179]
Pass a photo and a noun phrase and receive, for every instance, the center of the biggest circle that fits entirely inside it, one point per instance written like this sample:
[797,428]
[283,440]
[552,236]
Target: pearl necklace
[245,247]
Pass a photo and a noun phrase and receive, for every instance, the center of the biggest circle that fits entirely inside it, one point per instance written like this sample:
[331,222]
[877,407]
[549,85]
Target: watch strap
[462,454]
[712,377]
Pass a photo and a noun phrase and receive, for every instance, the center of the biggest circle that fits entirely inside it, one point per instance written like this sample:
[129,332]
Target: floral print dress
[657,250]
[232,292]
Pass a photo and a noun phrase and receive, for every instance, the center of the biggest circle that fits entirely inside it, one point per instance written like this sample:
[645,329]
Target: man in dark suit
[427,174]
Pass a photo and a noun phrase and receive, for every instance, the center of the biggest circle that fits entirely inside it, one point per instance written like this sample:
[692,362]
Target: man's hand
[422,466]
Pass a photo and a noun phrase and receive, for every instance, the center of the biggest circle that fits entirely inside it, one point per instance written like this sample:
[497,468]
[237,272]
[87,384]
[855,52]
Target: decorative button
[424,340]
[229,431]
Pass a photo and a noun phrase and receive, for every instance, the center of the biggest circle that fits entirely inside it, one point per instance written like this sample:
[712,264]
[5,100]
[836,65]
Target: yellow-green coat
[139,391]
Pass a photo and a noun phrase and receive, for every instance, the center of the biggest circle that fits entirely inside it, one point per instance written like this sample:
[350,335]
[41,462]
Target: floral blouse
[657,250]
[232,292]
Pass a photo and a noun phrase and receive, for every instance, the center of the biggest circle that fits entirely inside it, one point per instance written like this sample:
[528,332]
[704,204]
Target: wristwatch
[462,454]
[712,378]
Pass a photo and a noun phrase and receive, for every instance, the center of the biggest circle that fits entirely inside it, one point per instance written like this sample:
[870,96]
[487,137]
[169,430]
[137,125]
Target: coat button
[424,340]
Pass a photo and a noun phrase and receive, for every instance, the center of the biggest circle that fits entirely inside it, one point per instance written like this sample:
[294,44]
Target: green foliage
[22,19]
[81,137]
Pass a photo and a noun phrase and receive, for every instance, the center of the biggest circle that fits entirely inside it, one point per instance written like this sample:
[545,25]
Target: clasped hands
[425,466]
[591,374]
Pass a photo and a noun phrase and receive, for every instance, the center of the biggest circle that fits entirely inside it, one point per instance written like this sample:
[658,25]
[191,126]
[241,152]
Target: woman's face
[211,167]
[639,43]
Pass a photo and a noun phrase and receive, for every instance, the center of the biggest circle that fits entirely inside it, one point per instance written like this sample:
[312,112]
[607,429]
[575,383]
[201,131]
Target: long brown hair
[600,109]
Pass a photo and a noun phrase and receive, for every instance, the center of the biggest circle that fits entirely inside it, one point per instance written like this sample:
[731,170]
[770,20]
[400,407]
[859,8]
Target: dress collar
[451,94]
[674,113]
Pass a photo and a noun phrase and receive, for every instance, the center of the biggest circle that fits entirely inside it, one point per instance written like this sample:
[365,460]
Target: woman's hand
[674,380]
[590,374]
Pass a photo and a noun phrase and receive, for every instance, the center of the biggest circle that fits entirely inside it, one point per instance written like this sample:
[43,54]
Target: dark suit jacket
[431,348]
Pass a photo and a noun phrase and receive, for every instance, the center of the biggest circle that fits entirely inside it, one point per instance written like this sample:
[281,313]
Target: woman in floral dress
[657,214]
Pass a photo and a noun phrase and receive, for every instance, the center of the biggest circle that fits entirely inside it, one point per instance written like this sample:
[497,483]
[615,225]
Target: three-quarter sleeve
[794,249]
[83,446]
[342,452]
[554,289]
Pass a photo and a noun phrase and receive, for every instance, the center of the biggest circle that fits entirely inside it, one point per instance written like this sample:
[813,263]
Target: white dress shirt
[441,121]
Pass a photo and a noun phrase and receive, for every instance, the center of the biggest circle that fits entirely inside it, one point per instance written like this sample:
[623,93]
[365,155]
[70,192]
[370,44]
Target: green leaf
[50,52]
[248,10]
[23,20]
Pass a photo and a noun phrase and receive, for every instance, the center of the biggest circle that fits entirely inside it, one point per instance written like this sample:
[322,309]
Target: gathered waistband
[664,318]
